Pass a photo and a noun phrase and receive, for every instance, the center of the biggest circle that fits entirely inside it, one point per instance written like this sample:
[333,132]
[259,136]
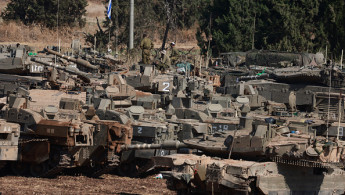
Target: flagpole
[109,16]
[109,36]
[116,24]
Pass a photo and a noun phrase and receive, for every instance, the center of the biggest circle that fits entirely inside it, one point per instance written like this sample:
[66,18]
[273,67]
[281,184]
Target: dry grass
[3,4]
[40,37]
[35,35]
[95,9]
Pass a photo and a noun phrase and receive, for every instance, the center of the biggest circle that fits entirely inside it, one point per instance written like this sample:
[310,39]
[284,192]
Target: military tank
[55,140]
[193,174]
[265,153]
[82,65]
[13,59]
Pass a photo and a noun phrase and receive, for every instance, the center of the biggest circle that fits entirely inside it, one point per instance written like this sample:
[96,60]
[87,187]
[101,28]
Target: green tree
[332,26]
[150,18]
[229,24]
[286,25]
[45,12]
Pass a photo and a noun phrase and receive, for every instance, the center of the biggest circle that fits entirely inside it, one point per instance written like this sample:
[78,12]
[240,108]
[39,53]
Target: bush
[44,12]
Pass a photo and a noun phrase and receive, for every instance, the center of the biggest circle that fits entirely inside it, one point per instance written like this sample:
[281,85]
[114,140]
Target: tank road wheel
[36,170]
[19,168]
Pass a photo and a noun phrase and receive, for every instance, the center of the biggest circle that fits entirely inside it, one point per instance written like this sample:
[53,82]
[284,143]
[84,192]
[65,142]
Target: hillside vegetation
[216,26]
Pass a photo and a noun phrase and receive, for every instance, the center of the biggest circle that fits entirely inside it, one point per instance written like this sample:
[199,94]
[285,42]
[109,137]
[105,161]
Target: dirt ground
[108,184]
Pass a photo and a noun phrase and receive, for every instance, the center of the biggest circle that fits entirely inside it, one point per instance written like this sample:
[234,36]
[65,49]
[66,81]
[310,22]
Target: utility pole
[131,25]
[116,24]
[253,35]
[341,59]
[57,27]
[170,10]
[326,55]
[209,41]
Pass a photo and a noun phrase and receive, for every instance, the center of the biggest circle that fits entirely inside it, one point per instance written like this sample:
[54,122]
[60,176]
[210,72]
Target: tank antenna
[329,99]
[339,113]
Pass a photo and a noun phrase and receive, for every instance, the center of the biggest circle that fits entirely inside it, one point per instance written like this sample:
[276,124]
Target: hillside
[40,37]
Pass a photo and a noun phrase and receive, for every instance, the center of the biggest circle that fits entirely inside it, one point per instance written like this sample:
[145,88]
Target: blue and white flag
[109,10]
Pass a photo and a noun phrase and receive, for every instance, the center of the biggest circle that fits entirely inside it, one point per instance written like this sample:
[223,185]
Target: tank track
[23,141]
[2,165]
[52,172]
[307,163]
[110,165]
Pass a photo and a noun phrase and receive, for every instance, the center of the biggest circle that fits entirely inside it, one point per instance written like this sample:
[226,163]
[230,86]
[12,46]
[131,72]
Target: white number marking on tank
[140,130]
[167,85]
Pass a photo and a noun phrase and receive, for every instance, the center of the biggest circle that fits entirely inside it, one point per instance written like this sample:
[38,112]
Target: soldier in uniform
[146,45]
[292,101]
[165,62]
[174,53]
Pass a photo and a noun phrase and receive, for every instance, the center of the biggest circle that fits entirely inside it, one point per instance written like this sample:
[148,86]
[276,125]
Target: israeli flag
[109,10]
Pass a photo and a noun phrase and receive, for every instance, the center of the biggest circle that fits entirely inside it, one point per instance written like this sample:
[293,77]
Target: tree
[227,24]
[150,18]
[332,25]
[285,25]
[45,12]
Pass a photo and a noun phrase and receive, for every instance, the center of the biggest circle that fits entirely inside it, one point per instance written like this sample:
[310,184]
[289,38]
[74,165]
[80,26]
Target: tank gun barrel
[83,76]
[168,145]
[253,77]
[80,62]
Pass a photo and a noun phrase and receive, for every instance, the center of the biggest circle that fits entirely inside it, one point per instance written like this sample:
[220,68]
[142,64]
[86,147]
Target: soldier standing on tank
[174,53]
[146,45]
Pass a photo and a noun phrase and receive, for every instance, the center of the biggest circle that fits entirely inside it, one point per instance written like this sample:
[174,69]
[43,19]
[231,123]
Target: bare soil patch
[108,184]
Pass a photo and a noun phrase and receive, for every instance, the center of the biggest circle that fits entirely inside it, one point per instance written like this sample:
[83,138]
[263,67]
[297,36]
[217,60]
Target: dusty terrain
[108,184]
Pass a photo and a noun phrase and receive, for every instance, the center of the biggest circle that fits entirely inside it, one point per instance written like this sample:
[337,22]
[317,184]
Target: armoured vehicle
[9,83]
[232,59]
[282,59]
[267,58]
[53,74]
[9,139]
[149,127]
[57,139]
[207,175]
[13,59]
[310,89]
[82,65]
[273,152]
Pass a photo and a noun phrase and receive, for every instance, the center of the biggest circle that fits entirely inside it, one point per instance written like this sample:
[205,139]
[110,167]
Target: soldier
[165,62]
[174,53]
[146,45]
[292,101]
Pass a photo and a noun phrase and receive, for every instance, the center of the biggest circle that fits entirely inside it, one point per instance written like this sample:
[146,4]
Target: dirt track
[109,184]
